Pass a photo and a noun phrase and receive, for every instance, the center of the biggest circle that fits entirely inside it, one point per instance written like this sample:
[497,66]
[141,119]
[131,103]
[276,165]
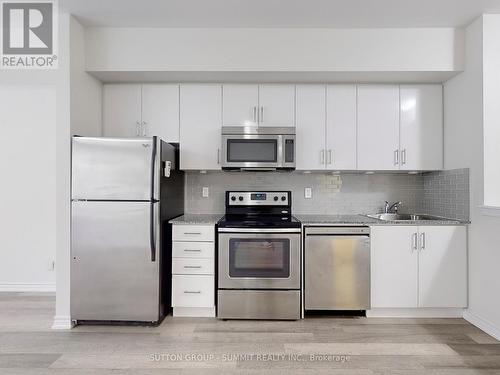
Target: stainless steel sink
[404,217]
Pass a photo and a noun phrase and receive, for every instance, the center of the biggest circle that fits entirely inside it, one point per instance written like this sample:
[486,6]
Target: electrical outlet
[308,193]
[205,192]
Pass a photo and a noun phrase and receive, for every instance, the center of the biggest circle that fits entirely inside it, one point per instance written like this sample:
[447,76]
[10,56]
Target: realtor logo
[28,34]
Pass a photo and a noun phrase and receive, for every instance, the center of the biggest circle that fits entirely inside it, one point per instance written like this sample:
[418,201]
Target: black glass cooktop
[261,221]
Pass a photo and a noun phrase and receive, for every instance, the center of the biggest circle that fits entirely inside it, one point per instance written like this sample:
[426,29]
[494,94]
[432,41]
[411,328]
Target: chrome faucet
[392,208]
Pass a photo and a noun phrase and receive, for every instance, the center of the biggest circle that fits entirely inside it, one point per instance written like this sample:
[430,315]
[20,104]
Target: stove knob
[233,198]
[240,198]
[283,198]
[275,198]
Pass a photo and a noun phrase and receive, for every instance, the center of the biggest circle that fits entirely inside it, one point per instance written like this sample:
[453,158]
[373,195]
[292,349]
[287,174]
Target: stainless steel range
[259,257]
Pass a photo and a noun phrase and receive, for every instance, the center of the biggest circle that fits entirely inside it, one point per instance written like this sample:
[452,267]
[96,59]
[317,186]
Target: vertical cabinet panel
[421,127]
[341,127]
[310,128]
[277,105]
[443,266]
[201,121]
[122,110]
[160,111]
[394,267]
[240,105]
[378,127]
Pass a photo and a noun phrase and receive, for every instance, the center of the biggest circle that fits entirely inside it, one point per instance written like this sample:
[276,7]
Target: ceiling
[279,13]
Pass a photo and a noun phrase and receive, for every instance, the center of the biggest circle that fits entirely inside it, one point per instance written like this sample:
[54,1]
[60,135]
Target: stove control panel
[258,198]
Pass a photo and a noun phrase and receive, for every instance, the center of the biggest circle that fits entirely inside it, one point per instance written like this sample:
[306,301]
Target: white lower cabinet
[193,270]
[418,266]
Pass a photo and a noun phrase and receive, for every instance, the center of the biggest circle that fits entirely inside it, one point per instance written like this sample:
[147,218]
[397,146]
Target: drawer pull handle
[192,266]
[192,291]
[192,233]
[193,250]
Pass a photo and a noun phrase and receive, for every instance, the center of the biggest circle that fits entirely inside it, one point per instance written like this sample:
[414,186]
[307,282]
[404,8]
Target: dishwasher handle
[338,231]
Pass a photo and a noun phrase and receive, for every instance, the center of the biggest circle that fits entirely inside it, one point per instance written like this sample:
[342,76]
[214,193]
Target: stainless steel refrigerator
[124,191]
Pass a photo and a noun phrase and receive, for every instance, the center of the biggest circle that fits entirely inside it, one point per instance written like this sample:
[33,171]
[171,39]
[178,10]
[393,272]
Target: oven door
[263,259]
[252,151]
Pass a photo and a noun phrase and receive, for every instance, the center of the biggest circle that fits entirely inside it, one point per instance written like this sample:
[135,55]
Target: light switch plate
[308,193]
[205,192]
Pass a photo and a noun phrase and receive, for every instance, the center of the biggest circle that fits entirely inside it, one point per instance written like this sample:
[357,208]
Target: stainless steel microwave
[258,148]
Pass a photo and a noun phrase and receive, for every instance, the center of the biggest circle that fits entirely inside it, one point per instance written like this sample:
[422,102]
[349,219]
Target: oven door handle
[259,230]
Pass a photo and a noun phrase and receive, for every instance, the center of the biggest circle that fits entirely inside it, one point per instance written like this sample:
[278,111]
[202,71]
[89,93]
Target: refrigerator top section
[115,169]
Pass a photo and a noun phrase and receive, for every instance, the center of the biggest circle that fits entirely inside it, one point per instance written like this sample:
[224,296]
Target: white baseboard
[194,312]
[62,322]
[483,324]
[27,287]
[416,313]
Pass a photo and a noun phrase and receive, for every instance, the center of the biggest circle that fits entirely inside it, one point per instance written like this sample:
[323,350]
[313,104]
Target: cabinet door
[310,127]
[277,105]
[378,127]
[421,127]
[160,111]
[200,130]
[394,266]
[240,105]
[121,110]
[443,266]
[341,127]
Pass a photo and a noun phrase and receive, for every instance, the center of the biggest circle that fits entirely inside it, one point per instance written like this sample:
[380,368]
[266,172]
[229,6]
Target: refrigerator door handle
[152,236]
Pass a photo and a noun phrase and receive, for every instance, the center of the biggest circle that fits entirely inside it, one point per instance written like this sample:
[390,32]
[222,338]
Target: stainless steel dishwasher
[337,268]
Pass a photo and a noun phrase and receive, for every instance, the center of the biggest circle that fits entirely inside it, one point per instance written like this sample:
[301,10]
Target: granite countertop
[362,219]
[197,219]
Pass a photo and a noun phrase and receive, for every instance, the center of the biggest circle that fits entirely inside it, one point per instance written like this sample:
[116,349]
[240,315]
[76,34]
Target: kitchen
[285,194]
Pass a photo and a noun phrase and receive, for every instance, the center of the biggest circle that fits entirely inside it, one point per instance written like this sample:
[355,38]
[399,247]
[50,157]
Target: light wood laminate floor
[208,346]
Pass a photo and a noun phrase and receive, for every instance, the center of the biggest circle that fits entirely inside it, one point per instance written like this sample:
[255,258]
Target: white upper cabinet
[160,111]
[421,127]
[200,130]
[240,105]
[311,120]
[134,110]
[378,127]
[341,136]
[443,266]
[122,110]
[277,105]
[394,266]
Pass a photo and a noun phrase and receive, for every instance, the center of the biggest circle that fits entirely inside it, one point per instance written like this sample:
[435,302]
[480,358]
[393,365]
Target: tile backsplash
[440,193]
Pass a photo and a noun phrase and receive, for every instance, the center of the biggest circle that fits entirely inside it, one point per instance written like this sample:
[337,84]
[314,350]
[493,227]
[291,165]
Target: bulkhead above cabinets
[340,127]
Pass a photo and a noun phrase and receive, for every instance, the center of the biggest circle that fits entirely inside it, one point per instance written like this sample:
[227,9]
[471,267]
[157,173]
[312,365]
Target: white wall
[86,91]
[276,50]
[464,148]
[27,190]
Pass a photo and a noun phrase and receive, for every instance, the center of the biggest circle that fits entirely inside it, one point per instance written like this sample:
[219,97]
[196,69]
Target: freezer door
[114,168]
[113,276]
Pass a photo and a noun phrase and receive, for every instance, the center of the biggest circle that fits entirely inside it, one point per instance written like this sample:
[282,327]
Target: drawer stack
[193,284]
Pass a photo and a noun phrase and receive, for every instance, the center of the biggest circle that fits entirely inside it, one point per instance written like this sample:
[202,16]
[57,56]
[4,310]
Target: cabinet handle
[261,114]
[396,157]
[192,233]
[414,240]
[192,266]
[422,241]
[403,156]
[192,292]
[254,114]
[192,250]
[144,128]
[218,156]
[137,128]
[330,156]
[322,156]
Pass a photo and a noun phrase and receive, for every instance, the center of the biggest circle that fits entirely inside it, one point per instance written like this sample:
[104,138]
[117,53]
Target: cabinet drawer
[187,266]
[193,233]
[193,250]
[192,291]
